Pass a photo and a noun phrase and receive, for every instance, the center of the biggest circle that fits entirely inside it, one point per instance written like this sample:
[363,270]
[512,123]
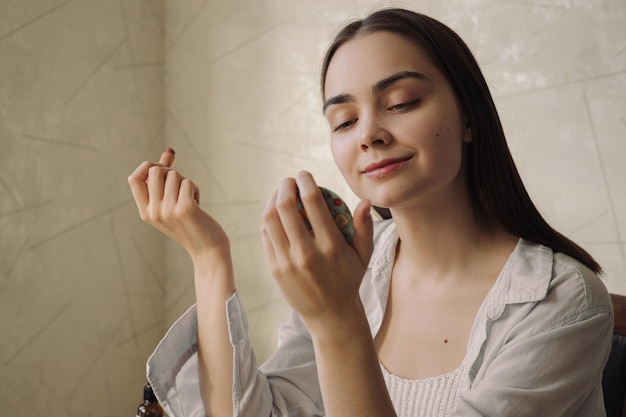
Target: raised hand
[170,202]
[317,271]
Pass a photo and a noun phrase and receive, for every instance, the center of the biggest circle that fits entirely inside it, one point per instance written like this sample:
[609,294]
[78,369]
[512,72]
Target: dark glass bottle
[150,406]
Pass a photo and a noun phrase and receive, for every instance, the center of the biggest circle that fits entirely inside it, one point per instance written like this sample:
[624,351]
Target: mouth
[384,167]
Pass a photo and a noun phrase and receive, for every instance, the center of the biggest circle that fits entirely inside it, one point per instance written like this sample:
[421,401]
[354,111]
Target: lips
[385,163]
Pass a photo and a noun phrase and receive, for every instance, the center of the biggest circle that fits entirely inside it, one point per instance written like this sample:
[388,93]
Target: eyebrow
[380,86]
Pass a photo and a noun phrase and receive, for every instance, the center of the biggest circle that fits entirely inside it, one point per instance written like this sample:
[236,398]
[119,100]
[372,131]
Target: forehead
[362,61]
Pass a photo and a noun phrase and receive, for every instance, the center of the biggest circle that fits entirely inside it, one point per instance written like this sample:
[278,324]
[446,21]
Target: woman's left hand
[318,272]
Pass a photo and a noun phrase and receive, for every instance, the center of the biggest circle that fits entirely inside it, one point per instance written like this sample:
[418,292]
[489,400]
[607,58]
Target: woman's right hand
[317,271]
[170,202]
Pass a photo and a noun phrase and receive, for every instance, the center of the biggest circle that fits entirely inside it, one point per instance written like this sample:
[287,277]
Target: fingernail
[167,157]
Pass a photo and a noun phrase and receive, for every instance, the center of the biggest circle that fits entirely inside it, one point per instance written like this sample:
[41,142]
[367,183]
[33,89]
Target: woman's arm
[350,377]
[170,203]
[214,285]
[319,275]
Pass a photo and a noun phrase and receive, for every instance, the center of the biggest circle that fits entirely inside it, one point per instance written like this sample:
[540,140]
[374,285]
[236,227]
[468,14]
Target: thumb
[363,241]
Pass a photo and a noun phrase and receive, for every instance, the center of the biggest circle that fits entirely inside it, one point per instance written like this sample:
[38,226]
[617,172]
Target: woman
[464,303]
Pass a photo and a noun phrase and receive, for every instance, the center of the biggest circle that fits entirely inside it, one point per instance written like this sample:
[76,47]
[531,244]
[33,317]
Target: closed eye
[404,106]
[345,125]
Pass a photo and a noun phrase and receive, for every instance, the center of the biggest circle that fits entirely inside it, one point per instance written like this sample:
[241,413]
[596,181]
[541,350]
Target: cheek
[346,161]
[448,150]
[340,154]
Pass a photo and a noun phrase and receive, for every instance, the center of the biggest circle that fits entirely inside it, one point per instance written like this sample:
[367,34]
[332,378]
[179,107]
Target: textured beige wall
[86,289]
[81,279]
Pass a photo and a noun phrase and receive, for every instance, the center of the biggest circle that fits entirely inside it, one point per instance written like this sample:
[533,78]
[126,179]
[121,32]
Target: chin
[380,194]
[386,199]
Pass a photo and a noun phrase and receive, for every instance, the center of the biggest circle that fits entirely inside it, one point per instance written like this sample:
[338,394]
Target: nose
[373,134]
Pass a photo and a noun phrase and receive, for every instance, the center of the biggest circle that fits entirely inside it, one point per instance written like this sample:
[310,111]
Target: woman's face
[397,130]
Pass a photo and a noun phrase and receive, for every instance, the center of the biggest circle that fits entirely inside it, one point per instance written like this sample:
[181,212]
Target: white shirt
[538,345]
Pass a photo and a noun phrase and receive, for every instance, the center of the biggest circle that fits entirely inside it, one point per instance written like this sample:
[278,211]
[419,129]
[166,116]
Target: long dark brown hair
[498,195]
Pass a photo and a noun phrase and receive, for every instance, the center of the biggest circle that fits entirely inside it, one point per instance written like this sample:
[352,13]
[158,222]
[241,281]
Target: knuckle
[286,203]
[331,252]
[153,214]
[305,259]
[269,215]
[181,211]
[138,173]
[144,216]
[186,182]
[166,216]
[154,170]
[289,269]
[275,268]
[173,174]
[310,196]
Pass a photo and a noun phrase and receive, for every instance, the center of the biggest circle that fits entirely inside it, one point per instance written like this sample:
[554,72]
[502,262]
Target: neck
[443,244]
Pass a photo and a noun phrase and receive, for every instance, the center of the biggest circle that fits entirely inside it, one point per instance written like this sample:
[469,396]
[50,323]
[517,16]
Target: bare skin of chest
[425,334]
[427,323]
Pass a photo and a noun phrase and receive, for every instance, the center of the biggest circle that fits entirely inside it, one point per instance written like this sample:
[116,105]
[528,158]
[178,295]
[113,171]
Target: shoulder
[583,288]
[555,286]
[541,296]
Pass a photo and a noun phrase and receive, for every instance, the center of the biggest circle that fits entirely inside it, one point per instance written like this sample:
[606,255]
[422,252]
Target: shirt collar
[385,243]
[525,277]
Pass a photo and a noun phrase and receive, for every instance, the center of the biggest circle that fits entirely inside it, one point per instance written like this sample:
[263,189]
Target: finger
[189,192]
[168,157]
[156,183]
[274,230]
[317,211]
[290,216]
[363,241]
[270,253]
[196,194]
[137,182]
[171,188]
